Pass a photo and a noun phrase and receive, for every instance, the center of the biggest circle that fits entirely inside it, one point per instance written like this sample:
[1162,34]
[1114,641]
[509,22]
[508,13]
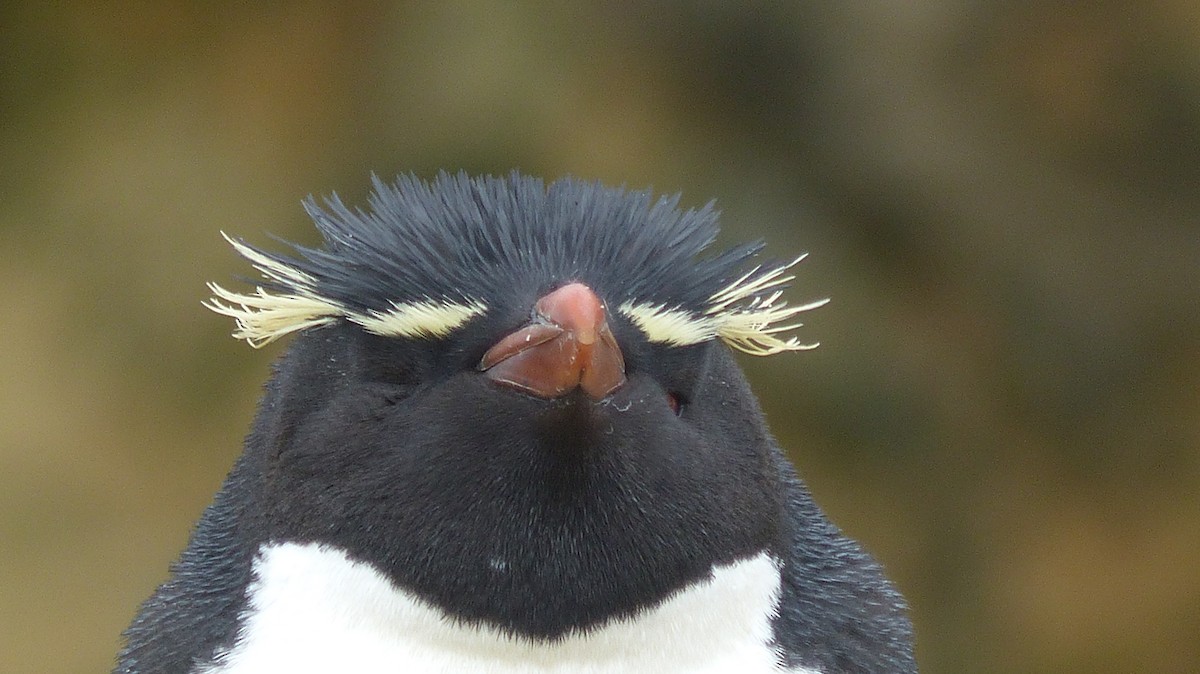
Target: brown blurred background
[1001,199]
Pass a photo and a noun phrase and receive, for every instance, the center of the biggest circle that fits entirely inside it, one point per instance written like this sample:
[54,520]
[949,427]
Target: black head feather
[426,258]
[459,238]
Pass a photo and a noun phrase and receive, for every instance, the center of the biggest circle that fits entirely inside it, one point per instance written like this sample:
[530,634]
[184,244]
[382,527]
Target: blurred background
[1000,197]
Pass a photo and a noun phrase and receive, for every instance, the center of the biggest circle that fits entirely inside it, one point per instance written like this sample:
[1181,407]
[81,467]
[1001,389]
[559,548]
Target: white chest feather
[311,609]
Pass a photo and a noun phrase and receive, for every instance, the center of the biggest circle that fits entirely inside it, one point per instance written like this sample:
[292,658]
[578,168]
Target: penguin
[509,436]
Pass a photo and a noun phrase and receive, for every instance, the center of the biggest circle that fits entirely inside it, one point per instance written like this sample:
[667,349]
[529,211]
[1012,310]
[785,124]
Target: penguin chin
[573,425]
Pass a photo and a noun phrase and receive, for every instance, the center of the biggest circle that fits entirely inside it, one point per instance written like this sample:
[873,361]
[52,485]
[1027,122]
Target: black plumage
[398,451]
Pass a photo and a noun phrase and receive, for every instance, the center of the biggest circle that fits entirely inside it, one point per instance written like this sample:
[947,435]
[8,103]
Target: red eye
[674,403]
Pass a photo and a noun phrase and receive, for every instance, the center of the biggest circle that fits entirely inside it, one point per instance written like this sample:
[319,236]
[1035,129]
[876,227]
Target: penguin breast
[311,608]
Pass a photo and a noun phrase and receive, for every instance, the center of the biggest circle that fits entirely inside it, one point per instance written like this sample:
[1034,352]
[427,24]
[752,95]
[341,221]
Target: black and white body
[509,436]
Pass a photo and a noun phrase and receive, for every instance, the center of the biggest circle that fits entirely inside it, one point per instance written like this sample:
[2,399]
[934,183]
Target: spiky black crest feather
[429,256]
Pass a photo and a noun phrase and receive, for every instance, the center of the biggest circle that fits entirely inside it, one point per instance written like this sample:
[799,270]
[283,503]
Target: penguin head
[517,400]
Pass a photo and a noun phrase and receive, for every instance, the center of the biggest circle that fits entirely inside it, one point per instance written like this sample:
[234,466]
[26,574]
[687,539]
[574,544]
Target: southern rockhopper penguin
[510,436]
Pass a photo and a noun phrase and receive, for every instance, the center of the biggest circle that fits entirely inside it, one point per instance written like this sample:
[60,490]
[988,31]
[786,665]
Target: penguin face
[538,515]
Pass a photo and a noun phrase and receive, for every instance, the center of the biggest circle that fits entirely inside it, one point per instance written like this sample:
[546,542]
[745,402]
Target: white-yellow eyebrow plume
[426,318]
[741,314]
[264,316]
[271,269]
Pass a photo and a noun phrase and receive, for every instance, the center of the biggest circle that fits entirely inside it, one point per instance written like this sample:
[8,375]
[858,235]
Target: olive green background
[1001,199]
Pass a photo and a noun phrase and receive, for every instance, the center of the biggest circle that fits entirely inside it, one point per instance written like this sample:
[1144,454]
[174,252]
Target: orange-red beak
[567,345]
